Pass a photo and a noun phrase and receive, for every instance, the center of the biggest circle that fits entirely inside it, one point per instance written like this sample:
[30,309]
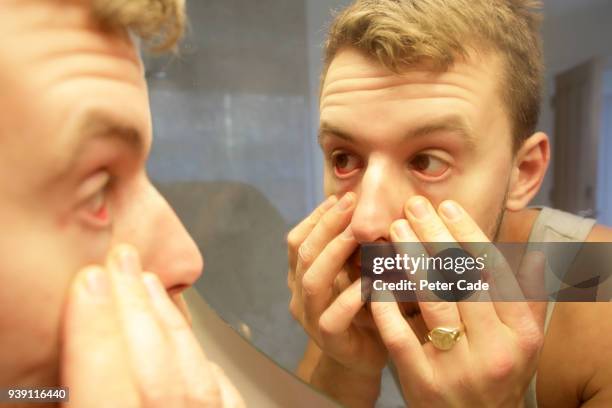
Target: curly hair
[160,23]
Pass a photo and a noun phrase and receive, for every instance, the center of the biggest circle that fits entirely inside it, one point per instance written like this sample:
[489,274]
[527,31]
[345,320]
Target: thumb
[93,363]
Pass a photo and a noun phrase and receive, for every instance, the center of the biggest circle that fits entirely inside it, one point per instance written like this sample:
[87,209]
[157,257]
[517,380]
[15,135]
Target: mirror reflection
[293,132]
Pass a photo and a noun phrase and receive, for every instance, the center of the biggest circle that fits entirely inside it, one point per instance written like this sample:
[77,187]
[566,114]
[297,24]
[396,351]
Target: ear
[529,169]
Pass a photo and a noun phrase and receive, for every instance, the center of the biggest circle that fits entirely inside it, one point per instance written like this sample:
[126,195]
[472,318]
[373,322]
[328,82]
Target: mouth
[410,310]
[353,264]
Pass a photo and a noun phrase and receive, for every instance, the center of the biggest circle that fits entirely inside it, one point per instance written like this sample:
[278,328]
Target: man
[428,113]
[75,132]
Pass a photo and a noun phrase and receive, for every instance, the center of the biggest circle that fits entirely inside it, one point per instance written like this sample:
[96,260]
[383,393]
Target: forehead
[358,88]
[44,31]
[57,66]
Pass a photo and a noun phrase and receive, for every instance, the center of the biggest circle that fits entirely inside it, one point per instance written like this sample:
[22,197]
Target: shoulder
[575,366]
[600,233]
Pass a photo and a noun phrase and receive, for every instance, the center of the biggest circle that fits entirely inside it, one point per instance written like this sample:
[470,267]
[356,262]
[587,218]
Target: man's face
[388,137]
[75,132]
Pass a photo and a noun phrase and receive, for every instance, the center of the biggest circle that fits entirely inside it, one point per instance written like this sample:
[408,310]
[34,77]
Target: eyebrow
[448,124]
[98,124]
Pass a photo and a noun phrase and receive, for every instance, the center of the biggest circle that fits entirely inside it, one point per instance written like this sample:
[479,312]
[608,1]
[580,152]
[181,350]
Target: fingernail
[419,209]
[401,229]
[127,261]
[345,203]
[329,203]
[155,289]
[347,234]
[450,210]
[97,283]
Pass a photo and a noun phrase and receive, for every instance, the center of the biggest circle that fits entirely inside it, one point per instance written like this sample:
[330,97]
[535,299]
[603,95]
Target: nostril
[176,289]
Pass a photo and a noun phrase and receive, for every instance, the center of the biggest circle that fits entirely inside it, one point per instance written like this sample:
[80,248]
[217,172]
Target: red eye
[98,207]
[345,163]
[94,204]
[428,165]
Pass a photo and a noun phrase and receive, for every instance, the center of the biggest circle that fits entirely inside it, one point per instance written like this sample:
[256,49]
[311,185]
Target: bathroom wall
[232,154]
[234,103]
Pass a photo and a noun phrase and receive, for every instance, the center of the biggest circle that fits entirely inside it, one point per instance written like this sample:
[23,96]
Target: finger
[509,300]
[461,226]
[531,279]
[428,226]
[402,343]
[299,233]
[505,289]
[338,317]
[477,312]
[318,281]
[341,282]
[201,383]
[464,229]
[435,237]
[332,223]
[402,233]
[480,319]
[469,235]
[230,395]
[92,345]
[435,313]
[149,352]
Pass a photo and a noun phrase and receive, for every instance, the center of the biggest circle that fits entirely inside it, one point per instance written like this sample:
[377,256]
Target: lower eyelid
[432,179]
[345,175]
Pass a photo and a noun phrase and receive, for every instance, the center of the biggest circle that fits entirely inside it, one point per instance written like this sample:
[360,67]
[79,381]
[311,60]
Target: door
[577,105]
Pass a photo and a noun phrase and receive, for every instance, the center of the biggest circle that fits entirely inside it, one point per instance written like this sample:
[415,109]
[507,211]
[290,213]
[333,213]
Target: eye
[94,206]
[428,165]
[345,163]
[98,207]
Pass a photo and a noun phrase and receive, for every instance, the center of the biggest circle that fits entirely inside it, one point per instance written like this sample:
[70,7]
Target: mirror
[236,118]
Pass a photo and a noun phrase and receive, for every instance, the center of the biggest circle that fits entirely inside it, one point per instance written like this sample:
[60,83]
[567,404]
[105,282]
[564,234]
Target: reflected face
[75,134]
[388,137]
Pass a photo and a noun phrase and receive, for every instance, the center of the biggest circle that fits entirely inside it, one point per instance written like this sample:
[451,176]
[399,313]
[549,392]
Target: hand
[494,360]
[126,344]
[323,300]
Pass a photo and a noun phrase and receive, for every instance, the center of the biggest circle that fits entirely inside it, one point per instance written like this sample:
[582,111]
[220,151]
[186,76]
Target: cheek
[483,199]
[332,185]
[45,256]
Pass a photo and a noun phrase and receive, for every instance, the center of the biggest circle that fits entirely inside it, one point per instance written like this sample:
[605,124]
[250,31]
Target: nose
[165,246]
[381,196]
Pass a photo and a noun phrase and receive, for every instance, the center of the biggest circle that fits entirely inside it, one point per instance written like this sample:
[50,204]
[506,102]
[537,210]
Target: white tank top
[555,226]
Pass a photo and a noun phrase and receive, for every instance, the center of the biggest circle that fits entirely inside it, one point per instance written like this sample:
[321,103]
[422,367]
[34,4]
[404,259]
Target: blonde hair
[160,23]
[399,33]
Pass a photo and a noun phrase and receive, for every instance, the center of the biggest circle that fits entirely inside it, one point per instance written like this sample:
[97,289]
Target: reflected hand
[319,248]
[494,360]
[126,344]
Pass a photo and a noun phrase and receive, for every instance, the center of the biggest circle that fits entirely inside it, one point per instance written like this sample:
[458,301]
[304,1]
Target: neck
[517,225]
